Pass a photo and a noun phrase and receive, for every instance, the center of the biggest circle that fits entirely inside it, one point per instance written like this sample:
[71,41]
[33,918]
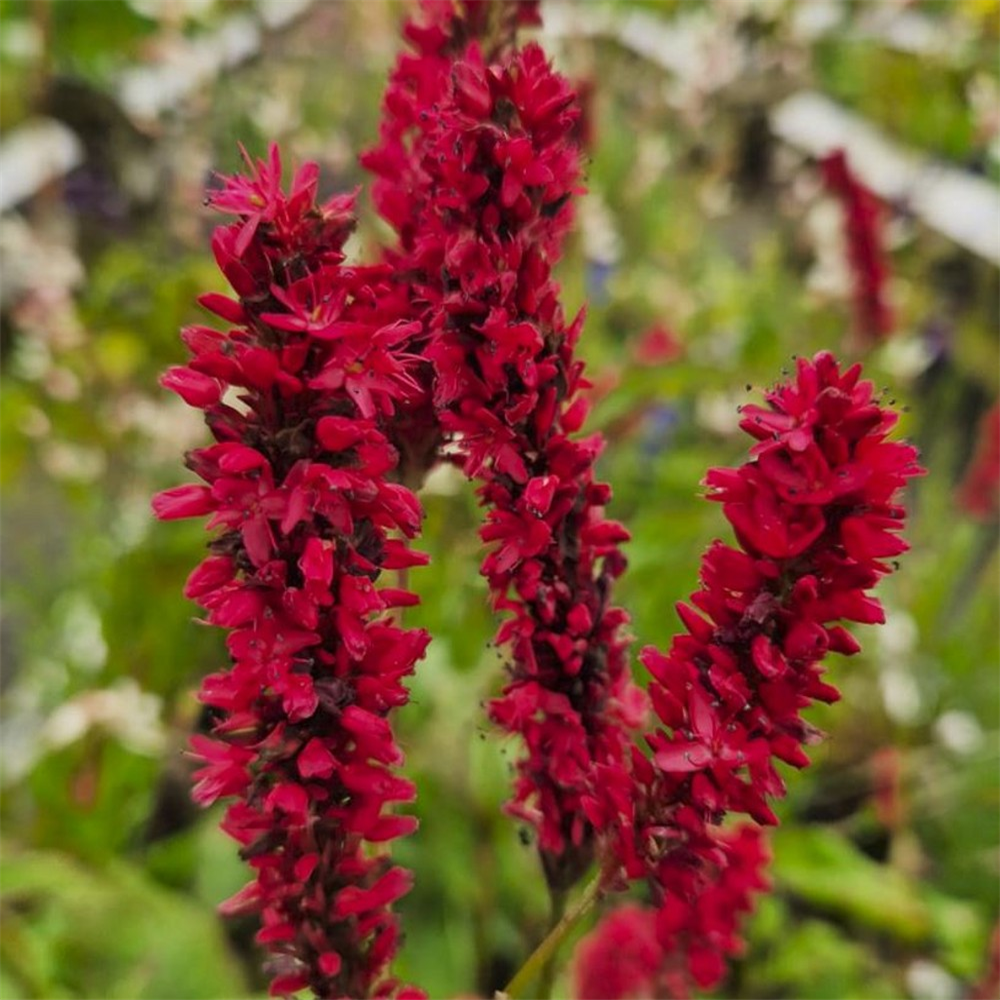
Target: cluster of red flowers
[337,385]
[298,397]
[478,184]
[639,952]
[865,252]
[439,34]
[816,515]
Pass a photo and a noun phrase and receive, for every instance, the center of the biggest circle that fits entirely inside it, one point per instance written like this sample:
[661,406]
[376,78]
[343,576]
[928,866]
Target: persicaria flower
[300,395]
[329,391]
[865,250]
[659,345]
[623,959]
[478,186]
[816,516]
[639,951]
[438,34]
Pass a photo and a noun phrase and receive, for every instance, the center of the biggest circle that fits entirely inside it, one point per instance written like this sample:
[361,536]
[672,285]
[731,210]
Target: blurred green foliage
[874,81]
[110,876]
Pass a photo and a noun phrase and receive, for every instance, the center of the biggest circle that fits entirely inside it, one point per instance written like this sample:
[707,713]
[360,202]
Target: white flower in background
[830,275]
[166,423]
[21,40]
[173,10]
[906,357]
[984,100]
[124,711]
[718,412]
[70,462]
[37,278]
[82,638]
[601,239]
[897,639]
[927,980]
[959,732]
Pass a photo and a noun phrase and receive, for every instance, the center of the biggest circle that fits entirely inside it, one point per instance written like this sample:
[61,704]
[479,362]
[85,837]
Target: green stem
[963,590]
[546,951]
[558,899]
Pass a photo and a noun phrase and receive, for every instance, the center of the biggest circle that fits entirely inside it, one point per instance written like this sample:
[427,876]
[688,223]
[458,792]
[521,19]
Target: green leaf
[69,930]
[826,870]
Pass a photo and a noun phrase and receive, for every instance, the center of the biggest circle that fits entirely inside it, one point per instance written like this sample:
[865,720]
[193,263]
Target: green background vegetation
[886,866]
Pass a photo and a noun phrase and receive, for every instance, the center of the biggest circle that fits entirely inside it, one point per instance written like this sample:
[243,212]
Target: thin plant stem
[535,966]
[965,587]
[558,899]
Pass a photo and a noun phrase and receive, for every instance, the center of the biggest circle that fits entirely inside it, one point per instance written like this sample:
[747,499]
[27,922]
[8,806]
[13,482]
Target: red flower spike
[623,959]
[668,952]
[297,487]
[865,250]
[815,512]
[475,170]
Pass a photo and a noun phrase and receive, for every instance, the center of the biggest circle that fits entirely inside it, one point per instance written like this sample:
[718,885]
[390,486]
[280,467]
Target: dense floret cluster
[638,951]
[816,514]
[478,185]
[863,235]
[298,396]
[334,390]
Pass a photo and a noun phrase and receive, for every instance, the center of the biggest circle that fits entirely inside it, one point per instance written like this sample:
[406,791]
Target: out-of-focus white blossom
[124,711]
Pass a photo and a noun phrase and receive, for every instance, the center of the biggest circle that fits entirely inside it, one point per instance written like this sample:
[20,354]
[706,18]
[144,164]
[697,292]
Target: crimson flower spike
[816,514]
[298,395]
[478,184]
[863,234]
[637,951]
[438,35]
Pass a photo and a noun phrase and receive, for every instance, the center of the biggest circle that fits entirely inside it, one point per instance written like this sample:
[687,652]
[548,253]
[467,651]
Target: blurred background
[715,242]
